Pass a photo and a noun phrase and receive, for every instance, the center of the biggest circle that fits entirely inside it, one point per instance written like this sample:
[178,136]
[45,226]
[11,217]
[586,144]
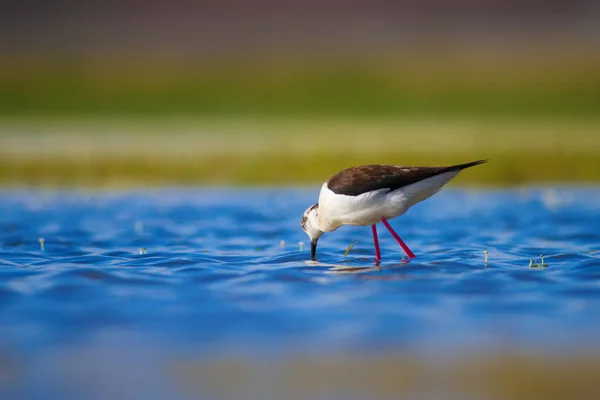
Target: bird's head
[310,225]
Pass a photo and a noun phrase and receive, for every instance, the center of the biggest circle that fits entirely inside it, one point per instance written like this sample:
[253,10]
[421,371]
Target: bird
[368,194]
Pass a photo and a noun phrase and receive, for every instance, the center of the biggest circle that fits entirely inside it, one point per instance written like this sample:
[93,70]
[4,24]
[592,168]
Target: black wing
[358,180]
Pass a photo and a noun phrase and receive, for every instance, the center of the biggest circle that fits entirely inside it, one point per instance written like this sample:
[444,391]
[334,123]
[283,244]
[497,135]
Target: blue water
[223,272]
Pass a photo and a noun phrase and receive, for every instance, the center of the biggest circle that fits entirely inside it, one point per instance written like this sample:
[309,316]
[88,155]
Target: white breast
[336,210]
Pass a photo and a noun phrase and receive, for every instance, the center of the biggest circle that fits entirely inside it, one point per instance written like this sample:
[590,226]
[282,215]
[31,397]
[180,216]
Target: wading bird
[368,194]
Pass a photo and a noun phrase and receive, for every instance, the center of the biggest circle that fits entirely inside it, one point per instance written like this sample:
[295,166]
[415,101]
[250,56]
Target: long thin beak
[313,249]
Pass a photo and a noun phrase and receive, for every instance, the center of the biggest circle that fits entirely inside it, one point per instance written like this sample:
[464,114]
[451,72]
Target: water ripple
[214,268]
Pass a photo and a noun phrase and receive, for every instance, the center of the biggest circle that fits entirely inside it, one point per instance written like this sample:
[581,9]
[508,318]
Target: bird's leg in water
[376,243]
[408,252]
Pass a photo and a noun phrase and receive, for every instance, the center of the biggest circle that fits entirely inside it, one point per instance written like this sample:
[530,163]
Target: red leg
[376,243]
[409,253]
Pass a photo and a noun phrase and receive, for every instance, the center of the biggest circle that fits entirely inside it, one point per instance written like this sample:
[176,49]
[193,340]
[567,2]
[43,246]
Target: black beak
[313,249]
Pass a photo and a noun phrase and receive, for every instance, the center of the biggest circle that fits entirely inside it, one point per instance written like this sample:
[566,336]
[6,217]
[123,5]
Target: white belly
[336,210]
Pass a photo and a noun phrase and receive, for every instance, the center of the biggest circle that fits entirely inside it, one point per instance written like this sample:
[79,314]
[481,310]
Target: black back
[366,178]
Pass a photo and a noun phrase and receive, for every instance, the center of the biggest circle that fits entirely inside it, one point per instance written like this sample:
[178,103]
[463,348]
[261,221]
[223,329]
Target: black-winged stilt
[368,194]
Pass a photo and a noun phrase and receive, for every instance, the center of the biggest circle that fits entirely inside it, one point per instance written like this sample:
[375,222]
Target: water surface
[129,281]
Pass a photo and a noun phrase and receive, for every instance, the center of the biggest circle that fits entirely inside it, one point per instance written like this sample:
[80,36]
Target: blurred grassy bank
[296,119]
[283,151]
[481,81]
[488,375]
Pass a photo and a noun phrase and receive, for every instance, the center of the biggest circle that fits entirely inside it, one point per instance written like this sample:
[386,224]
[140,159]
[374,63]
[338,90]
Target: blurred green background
[279,93]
